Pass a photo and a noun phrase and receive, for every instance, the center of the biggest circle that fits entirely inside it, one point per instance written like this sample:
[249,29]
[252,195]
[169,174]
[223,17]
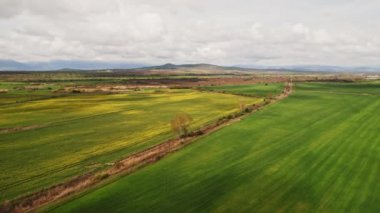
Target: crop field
[261,90]
[16,92]
[44,140]
[363,88]
[316,151]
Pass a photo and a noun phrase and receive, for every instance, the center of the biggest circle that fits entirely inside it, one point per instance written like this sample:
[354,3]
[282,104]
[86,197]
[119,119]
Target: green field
[261,90]
[316,151]
[78,133]
[16,93]
[364,88]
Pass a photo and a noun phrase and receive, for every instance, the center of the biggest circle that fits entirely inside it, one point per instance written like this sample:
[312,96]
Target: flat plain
[48,137]
[316,151]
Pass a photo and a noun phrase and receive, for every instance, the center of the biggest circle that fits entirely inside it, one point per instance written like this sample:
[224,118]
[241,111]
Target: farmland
[189,106]
[15,92]
[260,90]
[48,137]
[316,151]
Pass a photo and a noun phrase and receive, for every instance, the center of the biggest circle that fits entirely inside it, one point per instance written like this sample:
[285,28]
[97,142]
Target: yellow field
[76,134]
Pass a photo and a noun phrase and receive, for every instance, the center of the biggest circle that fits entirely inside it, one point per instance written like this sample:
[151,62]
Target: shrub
[102,176]
[180,124]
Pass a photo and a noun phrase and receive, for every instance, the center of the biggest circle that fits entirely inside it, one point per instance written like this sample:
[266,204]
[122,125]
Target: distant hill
[73,65]
[193,68]
[181,66]
[327,68]
[207,68]
[11,65]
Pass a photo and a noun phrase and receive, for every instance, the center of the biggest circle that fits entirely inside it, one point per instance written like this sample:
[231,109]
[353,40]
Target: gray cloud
[336,32]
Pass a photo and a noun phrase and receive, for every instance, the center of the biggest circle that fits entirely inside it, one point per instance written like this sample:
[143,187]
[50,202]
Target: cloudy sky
[225,32]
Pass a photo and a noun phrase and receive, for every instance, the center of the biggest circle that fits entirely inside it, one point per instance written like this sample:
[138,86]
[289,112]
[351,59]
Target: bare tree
[181,123]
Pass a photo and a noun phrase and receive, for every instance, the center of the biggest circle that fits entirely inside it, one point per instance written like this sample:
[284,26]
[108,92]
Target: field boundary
[129,164]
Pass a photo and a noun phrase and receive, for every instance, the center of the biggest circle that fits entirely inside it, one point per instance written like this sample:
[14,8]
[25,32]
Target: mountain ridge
[73,65]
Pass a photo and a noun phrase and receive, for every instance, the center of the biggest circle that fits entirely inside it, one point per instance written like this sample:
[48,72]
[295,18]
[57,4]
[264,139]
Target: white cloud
[189,31]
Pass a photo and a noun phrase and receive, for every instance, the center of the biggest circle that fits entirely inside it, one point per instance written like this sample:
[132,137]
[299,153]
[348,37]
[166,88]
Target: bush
[100,177]
[180,124]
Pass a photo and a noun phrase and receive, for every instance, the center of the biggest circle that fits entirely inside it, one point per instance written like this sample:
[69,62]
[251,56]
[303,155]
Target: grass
[261,90]
[80,133]
[16,92]
[366,88]
[312,152]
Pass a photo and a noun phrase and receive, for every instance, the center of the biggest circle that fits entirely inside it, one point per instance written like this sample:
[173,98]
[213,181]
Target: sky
[223,32]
